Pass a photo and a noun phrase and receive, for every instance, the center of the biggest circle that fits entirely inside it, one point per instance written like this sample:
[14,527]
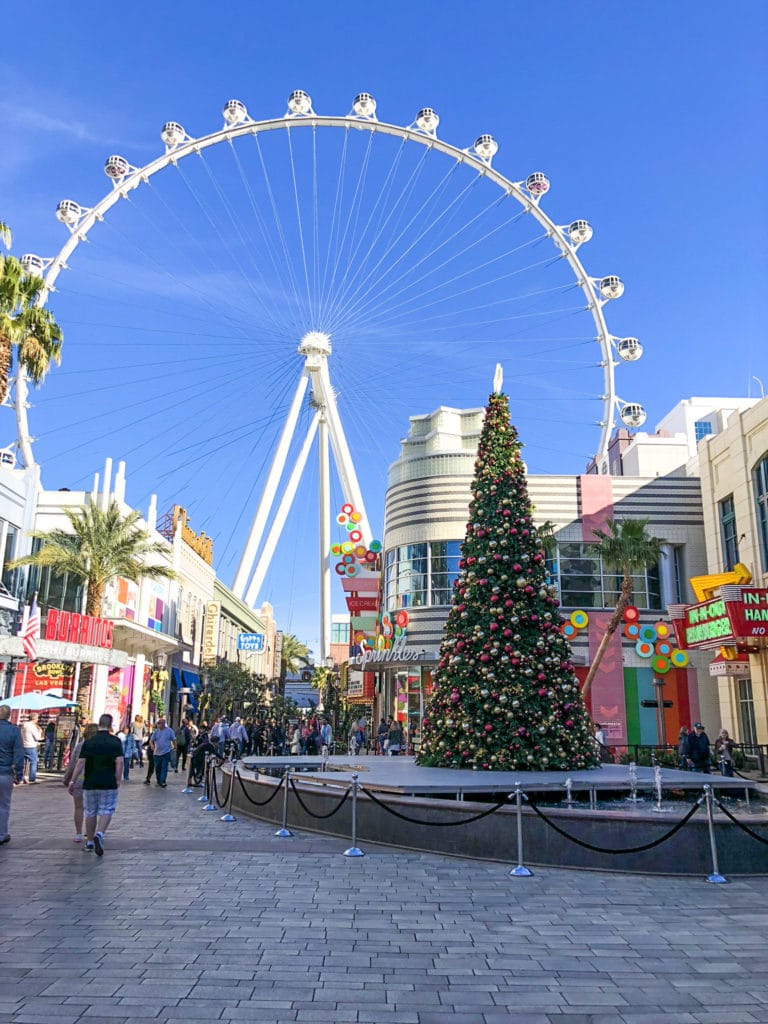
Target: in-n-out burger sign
[397,652]
[739,614]
[71,628]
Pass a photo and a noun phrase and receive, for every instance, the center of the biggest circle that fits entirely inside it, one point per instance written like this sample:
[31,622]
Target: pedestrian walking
[11,768]
[31,735]
[698,749]
[162,742]
[183,741]
[139,736]
[724,753]
[150,761]
[395,739]
[129,749]
[89,732]
[326,737]
[50,742]
[101,764]
[381,734]
[238,733]
[682,749]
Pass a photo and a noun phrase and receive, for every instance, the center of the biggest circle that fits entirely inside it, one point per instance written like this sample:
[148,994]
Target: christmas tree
[506,696]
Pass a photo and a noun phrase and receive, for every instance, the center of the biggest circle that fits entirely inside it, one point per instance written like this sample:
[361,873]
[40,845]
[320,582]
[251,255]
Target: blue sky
[647,117]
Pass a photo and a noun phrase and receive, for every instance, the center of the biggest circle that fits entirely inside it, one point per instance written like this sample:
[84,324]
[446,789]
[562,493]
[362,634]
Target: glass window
[10,576]
[747,712]
[583,582]
[444,570]
[340,632]
[760,481]
[728,535]
[702,429]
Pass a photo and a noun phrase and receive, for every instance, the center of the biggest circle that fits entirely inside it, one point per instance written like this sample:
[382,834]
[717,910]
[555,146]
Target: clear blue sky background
[648,117]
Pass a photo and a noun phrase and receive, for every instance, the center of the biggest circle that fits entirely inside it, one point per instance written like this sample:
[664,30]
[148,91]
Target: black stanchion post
[284,832]
[204,798]
[211,806]
[716,878]
[229,816]
[521,871]
[188,786]
[354,850]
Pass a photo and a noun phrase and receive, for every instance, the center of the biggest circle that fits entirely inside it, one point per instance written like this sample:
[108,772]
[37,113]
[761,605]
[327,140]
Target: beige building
[734,484]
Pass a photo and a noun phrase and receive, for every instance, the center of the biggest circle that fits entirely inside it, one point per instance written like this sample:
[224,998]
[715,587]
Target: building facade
[734,482]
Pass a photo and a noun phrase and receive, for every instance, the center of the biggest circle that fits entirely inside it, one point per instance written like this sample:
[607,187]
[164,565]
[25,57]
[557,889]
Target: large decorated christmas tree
[506,696]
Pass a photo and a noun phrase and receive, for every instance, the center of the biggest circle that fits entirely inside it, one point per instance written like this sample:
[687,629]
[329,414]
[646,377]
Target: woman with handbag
[395,739]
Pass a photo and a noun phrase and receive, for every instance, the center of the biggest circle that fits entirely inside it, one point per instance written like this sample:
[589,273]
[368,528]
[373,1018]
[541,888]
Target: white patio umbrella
[34,701]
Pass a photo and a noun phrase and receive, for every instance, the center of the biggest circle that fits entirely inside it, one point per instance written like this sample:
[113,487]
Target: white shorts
[99,801]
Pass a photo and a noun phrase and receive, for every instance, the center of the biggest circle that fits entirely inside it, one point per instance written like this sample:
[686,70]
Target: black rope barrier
[330,814]
[437,824]
[742,826]
[628,849]
[249,798]
[220,803]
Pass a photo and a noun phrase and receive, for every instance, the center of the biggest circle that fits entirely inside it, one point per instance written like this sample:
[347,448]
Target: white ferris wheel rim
[137,176]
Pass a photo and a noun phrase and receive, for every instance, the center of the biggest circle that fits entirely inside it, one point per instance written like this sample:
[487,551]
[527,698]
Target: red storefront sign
[740,614]
[362,604]
[71,628]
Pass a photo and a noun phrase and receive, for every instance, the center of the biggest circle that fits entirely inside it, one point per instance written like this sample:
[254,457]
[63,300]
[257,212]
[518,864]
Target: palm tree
[5,234]
[293,651]
[24,326]
[102,544]
[627,547]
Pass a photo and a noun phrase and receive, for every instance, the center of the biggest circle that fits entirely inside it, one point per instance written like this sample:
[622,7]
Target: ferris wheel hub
[315,343]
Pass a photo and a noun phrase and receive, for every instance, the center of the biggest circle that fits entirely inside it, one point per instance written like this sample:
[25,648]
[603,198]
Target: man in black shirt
[698,749]
[102,760]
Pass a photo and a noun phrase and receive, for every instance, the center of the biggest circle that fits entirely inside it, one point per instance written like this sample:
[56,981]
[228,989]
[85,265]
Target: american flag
[31,633]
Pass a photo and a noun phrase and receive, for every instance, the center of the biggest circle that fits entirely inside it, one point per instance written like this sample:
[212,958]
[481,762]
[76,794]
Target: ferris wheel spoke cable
[300,228]
[334,288]
[205,210]
[266,236]
[381,198]
[125,384]
[202,387]
[197,291]
[163,269]
[278,225]
[404,304]
[421,214]
[333,229]
[315,225]
[280,324]
[360,281]
[201,249]
[395,208]
[413,281]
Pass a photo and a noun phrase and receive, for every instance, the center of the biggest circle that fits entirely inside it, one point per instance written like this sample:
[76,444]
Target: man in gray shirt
[162,741]
[11,767]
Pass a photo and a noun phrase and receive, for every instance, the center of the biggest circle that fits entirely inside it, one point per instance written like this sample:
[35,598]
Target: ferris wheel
[236,266]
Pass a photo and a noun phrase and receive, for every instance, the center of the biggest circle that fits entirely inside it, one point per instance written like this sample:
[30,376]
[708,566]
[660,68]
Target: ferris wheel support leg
[25,441]
[281,514]
[270,490]
[324,504]
[343,458]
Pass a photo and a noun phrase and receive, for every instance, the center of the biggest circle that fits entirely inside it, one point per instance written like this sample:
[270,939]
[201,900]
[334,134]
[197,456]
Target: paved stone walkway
[186,917]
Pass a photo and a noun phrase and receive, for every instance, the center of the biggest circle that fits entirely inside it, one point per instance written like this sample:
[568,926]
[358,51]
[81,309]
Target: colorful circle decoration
[352,570]
[679,658]
[569,630]
[648,633]
[661,665]
[632,631]
[361,551]
[348,559]
[386,627]
[663,648]
[402,619]
[644,649]
[341,569]
[347,547]
[663,629]
[356,536]
[370,556]
[341,519]
[375,546]
[631,614]
[355,516]
[380,643]
[347,509]
[335,549]
[579,619]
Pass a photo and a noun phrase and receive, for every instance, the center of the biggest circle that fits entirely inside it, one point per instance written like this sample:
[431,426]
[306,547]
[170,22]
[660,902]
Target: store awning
[191,679]
[738,666]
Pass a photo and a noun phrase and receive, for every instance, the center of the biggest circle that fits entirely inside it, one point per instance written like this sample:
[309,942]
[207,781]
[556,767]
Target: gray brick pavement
[188,918]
